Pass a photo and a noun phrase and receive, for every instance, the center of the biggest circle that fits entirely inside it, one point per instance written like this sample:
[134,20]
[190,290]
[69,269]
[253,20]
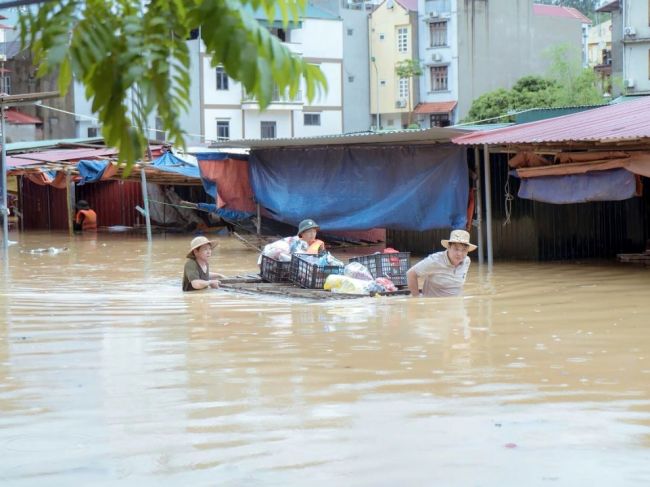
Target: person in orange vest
[86,219]
[307,231]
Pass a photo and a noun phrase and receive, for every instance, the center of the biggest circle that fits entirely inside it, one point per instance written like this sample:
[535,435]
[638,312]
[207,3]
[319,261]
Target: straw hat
[458,236]
[307,225]
[198,242]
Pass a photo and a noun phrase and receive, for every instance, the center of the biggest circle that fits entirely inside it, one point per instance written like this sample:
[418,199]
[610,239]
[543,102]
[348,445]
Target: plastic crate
[273,270]
[391,265]
[305,273]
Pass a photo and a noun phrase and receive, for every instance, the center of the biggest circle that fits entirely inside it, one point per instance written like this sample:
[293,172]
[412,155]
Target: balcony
[278,102]
[437,8]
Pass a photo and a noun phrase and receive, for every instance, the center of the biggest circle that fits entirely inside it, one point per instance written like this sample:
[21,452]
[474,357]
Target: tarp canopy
[358,188]
[227,180]
[614,185]
[168,162]
[92,171]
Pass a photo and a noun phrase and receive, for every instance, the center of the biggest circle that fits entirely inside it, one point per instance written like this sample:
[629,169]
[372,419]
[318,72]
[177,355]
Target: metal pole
[258,223]
[3,208]
[479,204]
[145,198]
[69,200]
[488,203]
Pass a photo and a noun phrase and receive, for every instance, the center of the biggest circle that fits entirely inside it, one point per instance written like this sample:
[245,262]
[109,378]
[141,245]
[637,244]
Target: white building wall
[636,46]
[232,115]
[330,123]
[334,96]
[321,39]
[253,120]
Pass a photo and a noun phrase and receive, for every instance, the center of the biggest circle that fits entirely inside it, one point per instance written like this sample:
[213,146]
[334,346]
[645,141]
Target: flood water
[109,374]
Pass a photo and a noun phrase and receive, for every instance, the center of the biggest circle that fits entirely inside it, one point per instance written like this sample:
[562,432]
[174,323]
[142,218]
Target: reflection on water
[110,374]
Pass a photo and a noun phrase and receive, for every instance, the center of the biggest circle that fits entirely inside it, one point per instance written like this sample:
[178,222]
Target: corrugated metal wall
[542,231]
[44,207]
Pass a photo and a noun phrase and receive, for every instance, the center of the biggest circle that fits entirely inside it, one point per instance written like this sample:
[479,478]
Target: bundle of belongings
[283,249]
[356,279]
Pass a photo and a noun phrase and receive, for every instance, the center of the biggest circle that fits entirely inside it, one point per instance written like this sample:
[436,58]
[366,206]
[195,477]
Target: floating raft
[253,284]
[643,258]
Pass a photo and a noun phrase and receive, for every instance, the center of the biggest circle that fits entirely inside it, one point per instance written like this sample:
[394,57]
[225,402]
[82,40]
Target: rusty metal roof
[628,121]
[435,107]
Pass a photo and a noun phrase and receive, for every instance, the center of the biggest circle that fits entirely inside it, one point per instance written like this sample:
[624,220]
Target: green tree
[409,69]
[567,84]
[133,59]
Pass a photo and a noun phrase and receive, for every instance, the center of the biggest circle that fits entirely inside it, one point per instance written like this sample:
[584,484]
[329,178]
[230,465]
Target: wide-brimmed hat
[458,236]
[199,242]
[307,225]
[82,205]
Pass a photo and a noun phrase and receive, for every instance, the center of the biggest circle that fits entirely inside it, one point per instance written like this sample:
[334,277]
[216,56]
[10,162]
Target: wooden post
[479,204]
[488,203]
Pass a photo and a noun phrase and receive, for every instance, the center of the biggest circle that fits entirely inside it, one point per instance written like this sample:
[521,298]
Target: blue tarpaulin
[170,163]
[91,171]
[614,185]
[342,188]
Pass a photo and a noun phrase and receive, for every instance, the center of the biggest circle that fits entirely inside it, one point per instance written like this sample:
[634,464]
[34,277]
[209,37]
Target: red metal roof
[557,11]
[19,118]
[6,27]
[13,161]
[409,4]
[436,107]
[623,121]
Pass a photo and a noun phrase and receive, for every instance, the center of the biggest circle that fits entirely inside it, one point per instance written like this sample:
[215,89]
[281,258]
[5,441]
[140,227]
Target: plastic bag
[358,271]
[342,284]
[282,249]
[386,283]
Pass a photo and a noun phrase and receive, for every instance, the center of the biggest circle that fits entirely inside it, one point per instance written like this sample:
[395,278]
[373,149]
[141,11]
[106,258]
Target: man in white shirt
[444,272]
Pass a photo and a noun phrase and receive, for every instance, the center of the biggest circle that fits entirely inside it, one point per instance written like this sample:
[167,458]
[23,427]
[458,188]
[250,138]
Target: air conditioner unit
[436,57]
[433,14]
[629,83]
[400,103]
[630,31]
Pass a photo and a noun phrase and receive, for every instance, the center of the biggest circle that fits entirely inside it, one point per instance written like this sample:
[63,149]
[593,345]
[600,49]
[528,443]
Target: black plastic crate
[391,265]
[310,275]
[273,270]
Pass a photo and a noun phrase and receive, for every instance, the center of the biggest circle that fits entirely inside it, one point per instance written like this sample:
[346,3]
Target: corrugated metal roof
[624,121]
[609,7]
[409,4]
[559,11]
[19,118]
[41,144]
[407,137]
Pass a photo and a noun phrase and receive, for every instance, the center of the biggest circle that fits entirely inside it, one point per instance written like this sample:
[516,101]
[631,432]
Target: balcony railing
[275,98]
[438,7]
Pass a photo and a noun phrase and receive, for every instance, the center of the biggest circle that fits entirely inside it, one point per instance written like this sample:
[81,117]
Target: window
[438,33]
[350,32]
[160,131]
[6,85]
[440,120]
[267,130]
[222,79]
[92,132]
[280,33]
[439,78]
[382,37]
[223,130]
[402,39]
[312,118]
[403,87]
[350,79]
[382,82]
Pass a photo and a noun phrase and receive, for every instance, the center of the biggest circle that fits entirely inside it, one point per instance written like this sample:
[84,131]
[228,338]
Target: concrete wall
[356,75]
[636,58]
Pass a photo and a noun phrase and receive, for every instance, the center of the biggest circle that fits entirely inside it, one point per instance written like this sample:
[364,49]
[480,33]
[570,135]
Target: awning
[436,107]
[19,118]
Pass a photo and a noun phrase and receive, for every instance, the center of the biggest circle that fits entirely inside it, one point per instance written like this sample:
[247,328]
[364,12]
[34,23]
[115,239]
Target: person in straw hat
[196,274]
[444,272]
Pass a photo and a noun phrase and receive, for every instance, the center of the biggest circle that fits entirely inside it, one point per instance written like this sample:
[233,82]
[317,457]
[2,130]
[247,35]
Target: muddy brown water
[109,374]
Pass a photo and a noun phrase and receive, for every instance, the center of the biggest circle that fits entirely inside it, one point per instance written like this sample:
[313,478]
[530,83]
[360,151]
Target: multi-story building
[229,112]
[393,33]
[630,44]
[470,47]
